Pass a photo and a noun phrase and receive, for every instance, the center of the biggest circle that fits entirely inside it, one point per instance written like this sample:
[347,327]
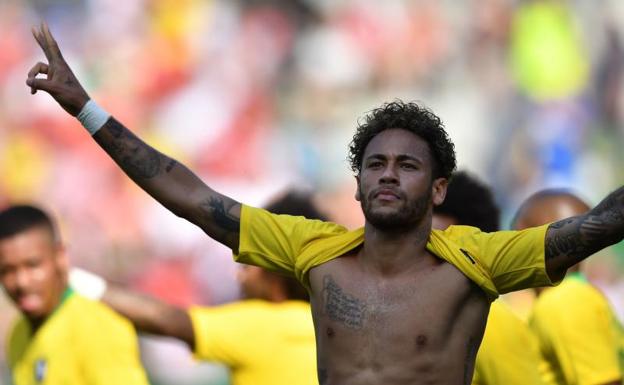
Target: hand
[60,82]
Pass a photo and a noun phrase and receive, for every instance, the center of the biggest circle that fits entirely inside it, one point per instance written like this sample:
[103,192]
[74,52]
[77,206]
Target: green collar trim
[64,297]
[577,276]
[66,294]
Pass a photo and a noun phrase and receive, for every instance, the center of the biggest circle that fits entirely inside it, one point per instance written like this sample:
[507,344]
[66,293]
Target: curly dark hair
[411,117]
[470,202]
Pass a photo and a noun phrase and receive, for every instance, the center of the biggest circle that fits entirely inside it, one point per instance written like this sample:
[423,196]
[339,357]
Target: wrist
[92,116]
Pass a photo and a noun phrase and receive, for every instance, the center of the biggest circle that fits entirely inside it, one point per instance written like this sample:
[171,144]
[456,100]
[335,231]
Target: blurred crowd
[260,95]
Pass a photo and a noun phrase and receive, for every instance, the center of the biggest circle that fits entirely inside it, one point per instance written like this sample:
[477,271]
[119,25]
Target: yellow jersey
[498,262]
[263,343]
[82,342]
[578,333]
[509,353]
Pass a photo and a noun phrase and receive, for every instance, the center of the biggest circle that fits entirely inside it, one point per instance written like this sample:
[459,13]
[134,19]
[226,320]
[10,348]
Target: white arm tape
[87,284]
[92,116]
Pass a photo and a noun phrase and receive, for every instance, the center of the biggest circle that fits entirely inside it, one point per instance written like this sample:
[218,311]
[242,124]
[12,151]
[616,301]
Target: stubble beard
[405,217]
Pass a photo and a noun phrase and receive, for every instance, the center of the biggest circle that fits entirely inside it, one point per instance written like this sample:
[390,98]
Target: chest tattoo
[342,307]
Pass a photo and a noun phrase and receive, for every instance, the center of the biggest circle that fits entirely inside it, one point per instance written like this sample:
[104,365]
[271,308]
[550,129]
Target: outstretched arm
[150,315]
[571,240]
[169,182]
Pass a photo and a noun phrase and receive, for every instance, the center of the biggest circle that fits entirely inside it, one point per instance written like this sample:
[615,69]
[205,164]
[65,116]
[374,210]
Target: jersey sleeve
[227,334]
[274,242]
[111,353]
[513,260]
[582,339]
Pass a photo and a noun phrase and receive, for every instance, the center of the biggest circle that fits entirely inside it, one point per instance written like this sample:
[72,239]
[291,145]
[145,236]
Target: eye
[33,262]
[5,270]
[375,164]
[408,166]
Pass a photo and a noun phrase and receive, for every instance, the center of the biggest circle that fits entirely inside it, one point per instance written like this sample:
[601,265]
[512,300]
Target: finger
[37,34]
[39,68]
[36,84]
[51,42]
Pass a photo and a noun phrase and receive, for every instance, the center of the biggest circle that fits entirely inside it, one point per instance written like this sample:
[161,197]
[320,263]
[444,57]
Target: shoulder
[18,329]
[572,302]
[254,216]
[456,232]
[468,234]
[502,319]
[570,293]
[252,312]
[90,315]
[17,339]
[244,310]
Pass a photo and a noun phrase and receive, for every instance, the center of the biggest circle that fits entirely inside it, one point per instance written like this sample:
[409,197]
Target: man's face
[395,186]
[33,270]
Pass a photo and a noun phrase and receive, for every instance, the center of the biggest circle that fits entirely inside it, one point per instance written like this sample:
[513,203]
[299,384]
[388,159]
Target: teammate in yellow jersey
[267,339]
[62,338]
[578,333]
[508,353]
[393,302]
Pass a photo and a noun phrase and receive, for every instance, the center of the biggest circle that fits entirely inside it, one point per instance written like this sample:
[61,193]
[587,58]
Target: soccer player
[267,339]
[508,353]
[393,302]
[62,338]
[578,333]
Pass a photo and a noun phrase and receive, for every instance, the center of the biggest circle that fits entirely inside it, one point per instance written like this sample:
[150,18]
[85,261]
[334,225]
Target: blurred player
[62,338]
[508,353]
[267,339]
[393,302]
[578,333]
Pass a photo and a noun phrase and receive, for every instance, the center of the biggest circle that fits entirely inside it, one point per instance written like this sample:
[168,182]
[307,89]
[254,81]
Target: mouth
[386,194]
[28,302]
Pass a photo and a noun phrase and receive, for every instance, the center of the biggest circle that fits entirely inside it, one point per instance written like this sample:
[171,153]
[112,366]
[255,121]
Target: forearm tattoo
[216,210]
[579,237]
[342,307]
[135,157]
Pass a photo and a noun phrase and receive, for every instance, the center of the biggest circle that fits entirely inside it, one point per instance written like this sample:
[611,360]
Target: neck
[37,322]
[391,252]
[277,296]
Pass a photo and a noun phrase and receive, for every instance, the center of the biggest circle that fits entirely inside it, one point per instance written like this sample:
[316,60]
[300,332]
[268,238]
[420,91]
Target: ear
[438,190]
[357,188]
[61,259]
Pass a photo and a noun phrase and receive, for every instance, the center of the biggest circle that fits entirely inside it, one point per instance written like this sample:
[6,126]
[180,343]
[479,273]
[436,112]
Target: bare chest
[353,300]
[414,322]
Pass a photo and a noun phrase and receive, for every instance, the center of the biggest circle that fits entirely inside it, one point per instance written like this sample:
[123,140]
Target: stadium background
[260,95]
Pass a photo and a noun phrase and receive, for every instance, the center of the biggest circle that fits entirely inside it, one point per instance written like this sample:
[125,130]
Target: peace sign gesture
[60,81]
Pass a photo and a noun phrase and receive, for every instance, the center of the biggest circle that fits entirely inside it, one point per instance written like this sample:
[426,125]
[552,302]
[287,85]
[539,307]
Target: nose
[22,279]
[389,175]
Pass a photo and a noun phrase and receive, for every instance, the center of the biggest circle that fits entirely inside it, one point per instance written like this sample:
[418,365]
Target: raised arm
[170,183]
[150,315]
[571,240]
